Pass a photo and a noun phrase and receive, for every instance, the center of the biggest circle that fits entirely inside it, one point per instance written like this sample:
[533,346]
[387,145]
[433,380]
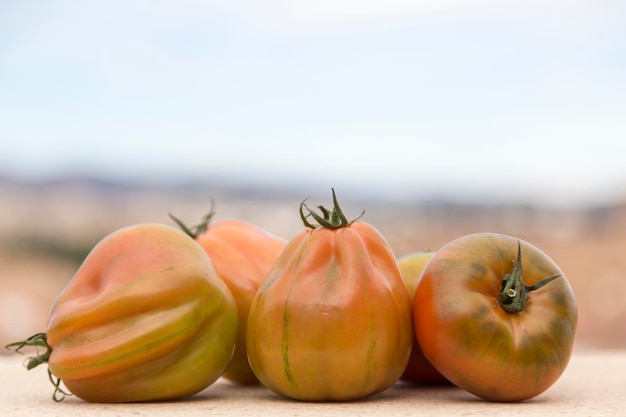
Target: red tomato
[333,319]
[144,318]
[243,255]
[496,316]
[418,370]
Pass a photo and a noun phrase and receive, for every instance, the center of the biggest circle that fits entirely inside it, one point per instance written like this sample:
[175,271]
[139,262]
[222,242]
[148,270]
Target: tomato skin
[144,318]
[243,254]
[473,341]
[418,370]
[333,320]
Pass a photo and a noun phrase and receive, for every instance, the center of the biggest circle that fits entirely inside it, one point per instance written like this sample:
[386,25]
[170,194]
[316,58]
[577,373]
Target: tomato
[243,254]
[332,322]
[496,316]
[418,370]
[144,318]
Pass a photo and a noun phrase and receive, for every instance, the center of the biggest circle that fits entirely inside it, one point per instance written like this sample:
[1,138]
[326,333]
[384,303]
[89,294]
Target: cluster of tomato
[158,313]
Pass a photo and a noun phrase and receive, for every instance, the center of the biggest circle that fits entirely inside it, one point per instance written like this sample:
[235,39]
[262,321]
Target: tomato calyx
[198,229]
[334,219]
[37,341]
[515,293]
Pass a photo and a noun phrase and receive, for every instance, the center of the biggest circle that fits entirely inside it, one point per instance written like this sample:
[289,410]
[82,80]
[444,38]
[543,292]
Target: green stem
[40,340]
[200,228]
[37,341]
[515,293]
[334,219]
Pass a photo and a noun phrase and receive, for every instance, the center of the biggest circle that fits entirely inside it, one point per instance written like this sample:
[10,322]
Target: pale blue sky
[474,98]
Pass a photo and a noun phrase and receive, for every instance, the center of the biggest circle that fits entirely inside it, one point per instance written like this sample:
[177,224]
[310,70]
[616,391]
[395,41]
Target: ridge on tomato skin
[144,318]
[419,370]
[467,329]
[243,254]
[332,322]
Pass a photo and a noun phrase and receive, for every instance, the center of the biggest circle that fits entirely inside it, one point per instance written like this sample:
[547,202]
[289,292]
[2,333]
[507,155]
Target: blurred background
[439,118]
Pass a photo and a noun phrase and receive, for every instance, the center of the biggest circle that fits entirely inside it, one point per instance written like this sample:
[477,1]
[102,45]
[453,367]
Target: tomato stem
[334,219]
[37,341]
[198,229]
[514,293]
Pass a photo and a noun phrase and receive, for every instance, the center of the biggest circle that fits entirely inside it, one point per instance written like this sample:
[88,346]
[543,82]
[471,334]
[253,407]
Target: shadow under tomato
[462,396]
[400,391]
[442,391]
[196,398]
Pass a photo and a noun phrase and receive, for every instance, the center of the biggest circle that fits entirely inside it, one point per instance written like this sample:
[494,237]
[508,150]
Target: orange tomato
[144,318]
[243,255]
[333,319]
[496,316]
[419,370]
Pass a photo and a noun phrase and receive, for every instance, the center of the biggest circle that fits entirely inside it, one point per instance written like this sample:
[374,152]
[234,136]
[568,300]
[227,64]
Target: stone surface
[594,384]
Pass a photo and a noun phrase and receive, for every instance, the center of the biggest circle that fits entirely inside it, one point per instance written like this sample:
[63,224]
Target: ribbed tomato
[419,370]
[496,316]
[332,322]
[243,254]
[144,318]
